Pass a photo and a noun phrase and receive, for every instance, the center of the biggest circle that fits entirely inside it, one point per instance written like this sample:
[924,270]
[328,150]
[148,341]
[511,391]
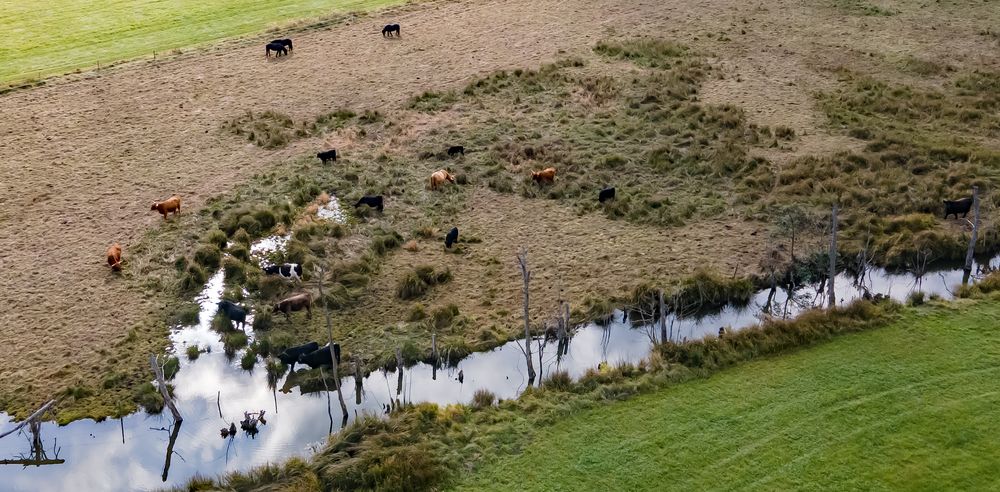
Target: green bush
[193,352]
[421,279]
[216,237]
[208,256]
[483,398]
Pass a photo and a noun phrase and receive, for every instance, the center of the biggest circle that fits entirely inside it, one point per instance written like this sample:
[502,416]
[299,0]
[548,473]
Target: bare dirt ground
[82,158]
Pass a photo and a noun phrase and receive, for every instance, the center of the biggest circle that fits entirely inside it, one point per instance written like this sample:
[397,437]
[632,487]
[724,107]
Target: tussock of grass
[420,280]
[267,129]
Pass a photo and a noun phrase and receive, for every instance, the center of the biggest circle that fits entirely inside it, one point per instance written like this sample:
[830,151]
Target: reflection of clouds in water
[301,421]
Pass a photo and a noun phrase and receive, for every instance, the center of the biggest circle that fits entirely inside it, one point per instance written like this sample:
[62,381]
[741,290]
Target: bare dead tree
[522,261]
[31,418]
[161,382]
[329,332]
[975,235]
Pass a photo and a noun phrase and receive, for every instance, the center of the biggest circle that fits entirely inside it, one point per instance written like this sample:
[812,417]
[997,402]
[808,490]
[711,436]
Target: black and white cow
[288,270]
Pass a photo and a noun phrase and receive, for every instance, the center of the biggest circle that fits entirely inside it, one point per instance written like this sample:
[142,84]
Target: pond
[213,391]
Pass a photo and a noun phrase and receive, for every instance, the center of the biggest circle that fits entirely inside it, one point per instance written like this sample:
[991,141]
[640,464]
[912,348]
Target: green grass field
[912,406]
[58,36]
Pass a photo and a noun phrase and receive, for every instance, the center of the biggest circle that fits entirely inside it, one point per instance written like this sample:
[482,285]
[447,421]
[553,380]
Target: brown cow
[439,177]
[115,257]
[297,302]
[547,175]
[172,204]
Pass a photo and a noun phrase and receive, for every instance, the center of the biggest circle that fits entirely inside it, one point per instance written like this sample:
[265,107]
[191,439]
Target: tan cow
[439,177]
[172,204]
[547,175]
[115,257]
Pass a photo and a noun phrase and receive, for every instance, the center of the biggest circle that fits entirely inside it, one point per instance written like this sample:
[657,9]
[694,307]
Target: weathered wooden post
[358,381]
[975,235]
[833,256]
[663,318]
[522,261]
[399,371]
[434,357]
[170,448]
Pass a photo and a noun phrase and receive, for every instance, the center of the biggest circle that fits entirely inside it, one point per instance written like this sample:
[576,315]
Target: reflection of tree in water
[37,456]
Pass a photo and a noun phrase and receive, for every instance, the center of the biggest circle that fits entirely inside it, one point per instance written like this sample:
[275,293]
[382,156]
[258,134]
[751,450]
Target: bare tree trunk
[161,382]
[522,260]
[833,256]
[975,235]
[663,318]
[170,448]
[329,332]
[37,413]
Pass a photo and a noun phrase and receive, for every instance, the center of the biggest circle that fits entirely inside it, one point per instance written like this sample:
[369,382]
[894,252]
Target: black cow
[327,155]
[373,201]
[320,357]
[287,43]
[456,149]
[278,49]
[451,238]
[606,194]
[234,312]
[288,270]
[957,207]
[389,29]
[291,354]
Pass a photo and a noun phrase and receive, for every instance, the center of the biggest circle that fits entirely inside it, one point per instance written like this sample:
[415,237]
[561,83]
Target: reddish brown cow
[547,175]
[439,177]
[172,204]
[297,302]
[115,257]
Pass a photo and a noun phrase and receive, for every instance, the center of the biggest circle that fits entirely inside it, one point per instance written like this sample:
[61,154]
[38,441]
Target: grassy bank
[909,406]
[63,35]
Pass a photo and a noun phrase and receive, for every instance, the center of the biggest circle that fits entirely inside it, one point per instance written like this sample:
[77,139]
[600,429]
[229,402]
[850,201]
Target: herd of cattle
[311,353]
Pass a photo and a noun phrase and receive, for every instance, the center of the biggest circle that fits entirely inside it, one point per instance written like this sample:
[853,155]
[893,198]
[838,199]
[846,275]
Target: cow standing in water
[236,313]
[321,356]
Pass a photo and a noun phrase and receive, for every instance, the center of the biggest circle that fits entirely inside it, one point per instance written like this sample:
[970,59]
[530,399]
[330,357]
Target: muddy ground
[82,158]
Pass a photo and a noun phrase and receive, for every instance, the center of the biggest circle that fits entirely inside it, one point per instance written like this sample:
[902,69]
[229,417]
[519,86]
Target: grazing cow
[172,204]
[278,49]
[373,201]
[389,29]
[287,43]
[606,194]
[297,302]
[288,271]
[321,357]
[235,312]
[451,238]
[115,257]
[547,175]
[439,177]
[957,207]
[291,354]
[456,149]
[327,155]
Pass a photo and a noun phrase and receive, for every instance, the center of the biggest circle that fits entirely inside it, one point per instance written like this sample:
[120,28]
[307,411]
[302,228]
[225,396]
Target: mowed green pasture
[912,406]
[58,36]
